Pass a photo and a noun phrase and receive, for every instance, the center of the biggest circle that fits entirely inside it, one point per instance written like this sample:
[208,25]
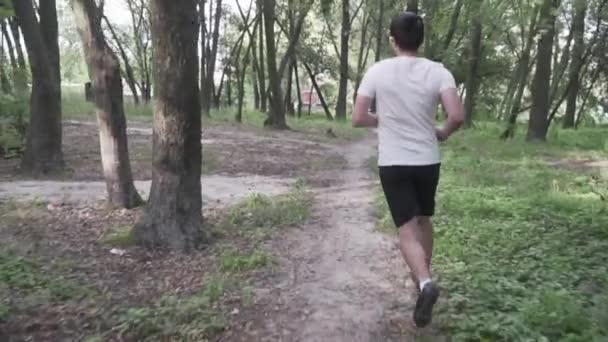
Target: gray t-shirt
[407,91]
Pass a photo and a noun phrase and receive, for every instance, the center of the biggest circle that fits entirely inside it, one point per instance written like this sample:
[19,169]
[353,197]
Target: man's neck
[403,53]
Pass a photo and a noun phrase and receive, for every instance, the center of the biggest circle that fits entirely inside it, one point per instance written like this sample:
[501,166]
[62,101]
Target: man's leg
[425,231]
[413,250]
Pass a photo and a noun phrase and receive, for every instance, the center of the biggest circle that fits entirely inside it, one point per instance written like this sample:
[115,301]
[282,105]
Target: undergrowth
[521,247]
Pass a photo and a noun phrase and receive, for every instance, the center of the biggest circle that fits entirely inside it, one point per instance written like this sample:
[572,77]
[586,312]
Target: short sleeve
[368,84]
[445,80]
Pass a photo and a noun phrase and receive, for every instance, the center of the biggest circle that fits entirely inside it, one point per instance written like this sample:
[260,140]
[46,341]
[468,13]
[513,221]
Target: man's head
[407,31]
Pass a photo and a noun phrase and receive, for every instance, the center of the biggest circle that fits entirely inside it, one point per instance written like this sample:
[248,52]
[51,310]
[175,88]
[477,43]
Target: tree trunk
[128,69]
[412,6]
[241,80]
[256,90]
[173,217]
[453,24]
[43,147]
[364,47]
[203,39]
[261,63]
[578,28]
[344,52]
[319,92]
[522,78]
[537,126]
[298,89]
[472,81]
[380,30]
[50,34]
[208,89]
[276,117]
[288,92]
[104,70]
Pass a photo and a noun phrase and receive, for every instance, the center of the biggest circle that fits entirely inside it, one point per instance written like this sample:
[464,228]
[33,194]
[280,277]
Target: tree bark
[49,27]
[298,89]
[104,70]
[537,126]
[173,217]
[261,63]
[128,69]
[203,56]
[472,81]
[578,28]
[319,92]
[276,117]
[43,153]
[379,31]
[344,52]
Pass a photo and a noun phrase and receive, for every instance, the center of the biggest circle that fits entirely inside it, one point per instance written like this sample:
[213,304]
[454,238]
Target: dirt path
[345,281]
[217,190]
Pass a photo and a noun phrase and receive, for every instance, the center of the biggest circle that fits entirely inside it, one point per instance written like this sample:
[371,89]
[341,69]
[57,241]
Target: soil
[337,278]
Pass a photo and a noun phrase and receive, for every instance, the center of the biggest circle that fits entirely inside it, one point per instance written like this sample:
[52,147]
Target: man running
[407,90]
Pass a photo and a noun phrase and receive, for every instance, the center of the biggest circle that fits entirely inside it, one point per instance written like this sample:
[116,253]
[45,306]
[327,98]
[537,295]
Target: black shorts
[410,191]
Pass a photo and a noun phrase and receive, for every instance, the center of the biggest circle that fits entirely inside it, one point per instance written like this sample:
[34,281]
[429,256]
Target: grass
[315,123]
[33,283]
[258,212]
[233,261]
[520,246]
[191,318]
[119,237]
[74,107]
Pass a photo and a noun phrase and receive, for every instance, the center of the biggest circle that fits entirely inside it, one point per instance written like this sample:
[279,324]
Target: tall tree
[104,70]
[128,72]
[173,216]
[472,80]
[344,52]
[140,26]
[276,117]
[43,147]
[537,126]
[578,28]
[521,76]
[210,53]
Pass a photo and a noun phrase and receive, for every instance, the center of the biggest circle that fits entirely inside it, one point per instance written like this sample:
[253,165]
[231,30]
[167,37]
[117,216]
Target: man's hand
[441,134]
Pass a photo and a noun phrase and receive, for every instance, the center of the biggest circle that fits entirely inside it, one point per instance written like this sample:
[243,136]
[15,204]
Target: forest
[187,171]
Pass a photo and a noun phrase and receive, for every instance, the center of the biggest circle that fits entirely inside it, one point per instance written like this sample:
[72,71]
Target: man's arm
[361,115]
[453,106]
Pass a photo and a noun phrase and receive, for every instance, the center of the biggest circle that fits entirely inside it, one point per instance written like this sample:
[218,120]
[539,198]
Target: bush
[13,125]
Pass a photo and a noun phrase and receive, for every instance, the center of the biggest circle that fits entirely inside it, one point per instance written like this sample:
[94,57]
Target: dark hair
[408,31]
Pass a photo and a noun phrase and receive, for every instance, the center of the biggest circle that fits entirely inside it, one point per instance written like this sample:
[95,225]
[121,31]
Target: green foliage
[260,211]
[6,9]
[13,125]
[191,318]
[232,261]
[22,274]
[520,245]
